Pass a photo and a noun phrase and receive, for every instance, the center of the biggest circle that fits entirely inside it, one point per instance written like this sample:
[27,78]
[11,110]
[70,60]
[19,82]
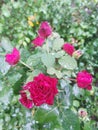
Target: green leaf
[5,94]
[16,4]
[58,74]
[51,70]
[87,126]
[76,103]
[33,74]
[77,91]
[44,116]
[6,44]
[48,59]
[58,43]
[59,54]
[67,72]
[33,60]
[25,54]
[5,10]
[4,66]
[68,62]
[68,96]
[13,78]
[1,28]
[70,121]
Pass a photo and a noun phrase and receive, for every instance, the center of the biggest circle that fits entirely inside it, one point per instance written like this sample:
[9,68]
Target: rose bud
[68,48]
[13,57]
[76,54]
[45,30]
[84,80]
[38,41]
[82,112]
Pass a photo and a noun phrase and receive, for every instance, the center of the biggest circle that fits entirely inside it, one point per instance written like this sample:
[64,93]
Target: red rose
[25,101]
[68,48]
[38,41]
[41,90]
[45,30]
[13,58]
[84,80]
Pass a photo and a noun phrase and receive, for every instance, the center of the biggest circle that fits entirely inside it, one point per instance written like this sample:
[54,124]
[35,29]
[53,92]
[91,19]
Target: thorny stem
[72,79]
[26,65]
[47,45]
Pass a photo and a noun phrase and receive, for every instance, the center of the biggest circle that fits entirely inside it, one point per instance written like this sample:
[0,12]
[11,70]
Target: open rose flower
[45,30]
[84,80]
[41,90]
[13,58]
[38,41]
[68,48]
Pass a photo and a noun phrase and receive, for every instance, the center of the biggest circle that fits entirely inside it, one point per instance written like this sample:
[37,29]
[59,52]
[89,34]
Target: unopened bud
[76,54]
[82,113]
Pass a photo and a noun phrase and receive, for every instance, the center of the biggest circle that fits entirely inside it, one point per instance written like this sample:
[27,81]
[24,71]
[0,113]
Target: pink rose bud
[82,113]
[13,58]
[76,54]
[45,30]
[68,48]
[84,80]
[41,90]
[38,41]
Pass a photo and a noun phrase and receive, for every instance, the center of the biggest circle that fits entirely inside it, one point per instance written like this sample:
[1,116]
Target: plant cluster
[48,80]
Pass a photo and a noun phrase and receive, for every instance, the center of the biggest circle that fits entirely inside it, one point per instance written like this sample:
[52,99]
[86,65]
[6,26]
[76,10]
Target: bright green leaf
[76,103]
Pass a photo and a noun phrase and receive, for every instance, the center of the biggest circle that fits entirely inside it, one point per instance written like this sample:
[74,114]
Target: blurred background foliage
[77,22]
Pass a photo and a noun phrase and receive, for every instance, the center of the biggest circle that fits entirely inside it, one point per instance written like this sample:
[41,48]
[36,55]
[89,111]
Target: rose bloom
[41,90]
[27,102]
[38,41]
[45,30]
[13,58]
[68,48]
[84,80]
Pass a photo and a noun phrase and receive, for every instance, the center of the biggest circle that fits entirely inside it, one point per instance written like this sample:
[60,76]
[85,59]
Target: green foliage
[70,121]
[68,62]
[4,67]
[76,22]
[48,59]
